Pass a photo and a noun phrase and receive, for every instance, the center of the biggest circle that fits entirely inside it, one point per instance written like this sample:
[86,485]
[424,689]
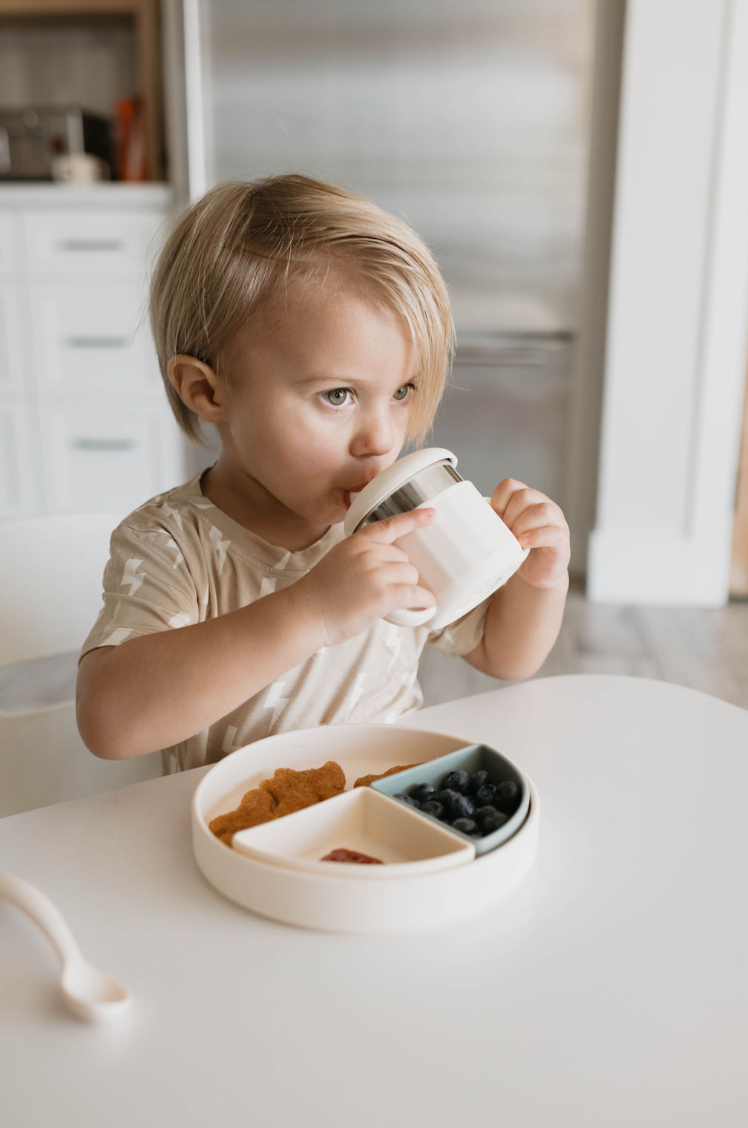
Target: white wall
[580,494]
[678,308]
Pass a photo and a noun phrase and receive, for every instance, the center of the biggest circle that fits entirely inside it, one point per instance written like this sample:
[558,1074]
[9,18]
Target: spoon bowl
[88,992]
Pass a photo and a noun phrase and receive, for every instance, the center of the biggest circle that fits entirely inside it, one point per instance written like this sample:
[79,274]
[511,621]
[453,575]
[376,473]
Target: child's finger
[542,515]
[531,502]
[414,597]
[388,553]
[503,494]
[392,528]
[547,536]
[400,574]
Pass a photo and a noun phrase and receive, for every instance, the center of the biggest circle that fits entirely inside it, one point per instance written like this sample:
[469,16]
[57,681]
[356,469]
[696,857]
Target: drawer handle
[104,444]
[99,342]
[91,244]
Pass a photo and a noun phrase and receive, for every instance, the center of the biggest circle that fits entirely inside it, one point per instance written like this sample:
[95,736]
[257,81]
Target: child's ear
[198,387]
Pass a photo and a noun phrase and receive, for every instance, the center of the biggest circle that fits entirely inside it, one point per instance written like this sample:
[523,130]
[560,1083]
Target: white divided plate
[343,902]
[362,820]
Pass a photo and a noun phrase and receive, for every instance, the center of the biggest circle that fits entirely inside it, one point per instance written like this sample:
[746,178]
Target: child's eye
[404,393]
[337,397]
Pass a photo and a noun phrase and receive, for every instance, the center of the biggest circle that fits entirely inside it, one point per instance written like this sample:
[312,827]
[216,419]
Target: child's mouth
[348,495]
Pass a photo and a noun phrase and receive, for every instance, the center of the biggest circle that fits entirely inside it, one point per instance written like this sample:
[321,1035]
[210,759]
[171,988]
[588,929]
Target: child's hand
[362,579]
[538,524]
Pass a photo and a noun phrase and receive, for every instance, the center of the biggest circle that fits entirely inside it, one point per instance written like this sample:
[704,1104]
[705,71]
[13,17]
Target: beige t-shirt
[179,560]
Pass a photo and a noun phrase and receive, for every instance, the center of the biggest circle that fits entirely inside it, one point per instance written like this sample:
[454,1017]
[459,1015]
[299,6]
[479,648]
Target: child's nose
[374,435]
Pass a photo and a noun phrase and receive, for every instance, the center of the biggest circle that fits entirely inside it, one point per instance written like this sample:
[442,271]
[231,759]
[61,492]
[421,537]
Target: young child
[314,330]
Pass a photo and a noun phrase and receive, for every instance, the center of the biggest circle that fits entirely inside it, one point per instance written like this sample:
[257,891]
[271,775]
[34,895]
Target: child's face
[317,403]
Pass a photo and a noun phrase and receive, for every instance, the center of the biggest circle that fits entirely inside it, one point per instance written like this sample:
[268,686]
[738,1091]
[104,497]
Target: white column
[678,308]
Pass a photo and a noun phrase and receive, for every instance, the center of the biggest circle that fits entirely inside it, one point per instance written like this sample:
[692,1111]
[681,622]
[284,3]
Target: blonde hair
[235,249]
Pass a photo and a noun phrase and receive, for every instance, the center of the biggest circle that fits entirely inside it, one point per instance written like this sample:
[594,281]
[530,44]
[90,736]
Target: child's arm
[524,617]
[159,689]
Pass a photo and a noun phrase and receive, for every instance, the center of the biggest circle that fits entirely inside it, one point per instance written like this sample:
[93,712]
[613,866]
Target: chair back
[44,761]
[51,570]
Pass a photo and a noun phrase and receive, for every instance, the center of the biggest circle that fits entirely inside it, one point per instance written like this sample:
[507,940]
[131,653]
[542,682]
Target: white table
[608,990]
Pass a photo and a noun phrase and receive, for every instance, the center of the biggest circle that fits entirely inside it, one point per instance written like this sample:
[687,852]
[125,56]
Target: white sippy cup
[466,552]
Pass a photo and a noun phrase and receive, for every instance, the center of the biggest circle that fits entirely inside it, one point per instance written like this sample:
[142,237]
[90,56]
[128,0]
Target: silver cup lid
[390,481]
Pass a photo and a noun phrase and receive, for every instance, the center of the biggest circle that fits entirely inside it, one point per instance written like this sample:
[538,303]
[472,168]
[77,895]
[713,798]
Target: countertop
[120,195]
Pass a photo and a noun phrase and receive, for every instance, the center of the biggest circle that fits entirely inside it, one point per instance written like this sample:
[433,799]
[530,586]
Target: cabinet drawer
[71,244]
[14,364]
[20,473]
[93,339]
[110,460]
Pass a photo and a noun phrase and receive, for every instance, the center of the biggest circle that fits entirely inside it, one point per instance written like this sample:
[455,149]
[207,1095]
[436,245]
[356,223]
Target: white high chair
[51,570]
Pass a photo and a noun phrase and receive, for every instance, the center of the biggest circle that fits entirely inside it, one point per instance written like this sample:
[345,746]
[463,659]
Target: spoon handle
[42,911]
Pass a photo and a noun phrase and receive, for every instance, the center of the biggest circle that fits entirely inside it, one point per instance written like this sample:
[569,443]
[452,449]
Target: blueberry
[422,791]
[484,796]
[447,797]
[482,813]
[433,807]
[462,783]
[462,808]
[507,796]
[456,781]
[406,799]
[466,826]
[494,822]
[477,780]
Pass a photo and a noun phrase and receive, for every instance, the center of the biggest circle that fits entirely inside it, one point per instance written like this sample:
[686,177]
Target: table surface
[608,989]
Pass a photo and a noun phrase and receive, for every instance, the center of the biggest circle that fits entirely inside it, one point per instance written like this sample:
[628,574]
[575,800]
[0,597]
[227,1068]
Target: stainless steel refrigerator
[468,118]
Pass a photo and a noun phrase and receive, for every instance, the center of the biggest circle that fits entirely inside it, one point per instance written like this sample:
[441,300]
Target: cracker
[294,790]
[286,792]
[364,781]
[256,807]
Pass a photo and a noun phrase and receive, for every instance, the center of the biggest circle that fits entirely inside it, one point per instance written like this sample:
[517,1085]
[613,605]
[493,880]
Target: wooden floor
[706,650]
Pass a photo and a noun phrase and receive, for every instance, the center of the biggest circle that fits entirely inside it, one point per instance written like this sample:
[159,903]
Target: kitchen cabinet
[48,60]
[84,421]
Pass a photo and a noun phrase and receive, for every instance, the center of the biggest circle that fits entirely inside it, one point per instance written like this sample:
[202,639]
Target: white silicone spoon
[89,993]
